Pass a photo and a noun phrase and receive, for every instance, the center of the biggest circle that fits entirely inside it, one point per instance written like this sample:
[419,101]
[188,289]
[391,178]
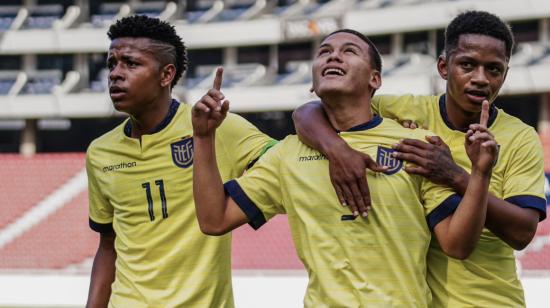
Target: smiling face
[475,71]
[136,78]
[342,66]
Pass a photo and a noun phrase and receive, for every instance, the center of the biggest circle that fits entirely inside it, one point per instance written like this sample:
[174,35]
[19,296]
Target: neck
[345,113]
[150,117]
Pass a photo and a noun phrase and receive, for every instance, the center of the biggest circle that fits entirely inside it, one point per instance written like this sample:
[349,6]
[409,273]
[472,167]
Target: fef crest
[384,158]
[182,152]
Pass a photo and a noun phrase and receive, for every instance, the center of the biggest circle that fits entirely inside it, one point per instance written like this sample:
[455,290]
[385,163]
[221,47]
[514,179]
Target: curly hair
[166,41]
[478,22]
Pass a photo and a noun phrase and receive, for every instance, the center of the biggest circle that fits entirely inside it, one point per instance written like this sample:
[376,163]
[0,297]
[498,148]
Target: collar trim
[171,113]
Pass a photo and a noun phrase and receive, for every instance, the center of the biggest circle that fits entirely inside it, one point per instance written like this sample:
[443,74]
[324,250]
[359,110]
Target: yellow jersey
[143,191]
[487,278]
[379,261]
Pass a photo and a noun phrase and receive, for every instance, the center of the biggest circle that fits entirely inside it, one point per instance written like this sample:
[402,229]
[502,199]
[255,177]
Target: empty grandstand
[54,101]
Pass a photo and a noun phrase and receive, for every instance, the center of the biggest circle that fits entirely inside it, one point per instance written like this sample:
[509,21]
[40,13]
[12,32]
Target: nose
[334,56]
[116,73]
[479,76]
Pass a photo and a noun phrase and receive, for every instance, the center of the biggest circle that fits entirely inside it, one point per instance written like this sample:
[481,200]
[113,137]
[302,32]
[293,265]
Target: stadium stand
[28,180]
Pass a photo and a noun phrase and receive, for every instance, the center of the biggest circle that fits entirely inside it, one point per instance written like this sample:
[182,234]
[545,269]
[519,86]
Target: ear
[375,81]
[442,67]
[167,74]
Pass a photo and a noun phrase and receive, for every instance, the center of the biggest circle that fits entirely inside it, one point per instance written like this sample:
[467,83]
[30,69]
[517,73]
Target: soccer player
[377,261]
[151,251]
[478,47]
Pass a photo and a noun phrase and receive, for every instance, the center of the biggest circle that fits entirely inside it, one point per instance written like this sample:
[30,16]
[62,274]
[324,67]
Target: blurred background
[53,102]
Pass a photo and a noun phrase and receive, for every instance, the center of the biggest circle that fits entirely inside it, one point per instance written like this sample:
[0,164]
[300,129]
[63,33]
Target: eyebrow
[345,44]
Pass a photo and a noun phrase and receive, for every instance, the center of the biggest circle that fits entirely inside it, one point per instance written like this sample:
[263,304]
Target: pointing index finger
[484,118]
[218,78]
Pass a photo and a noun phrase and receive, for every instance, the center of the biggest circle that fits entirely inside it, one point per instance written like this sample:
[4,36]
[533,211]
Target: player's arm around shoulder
[217,214]
[347,167]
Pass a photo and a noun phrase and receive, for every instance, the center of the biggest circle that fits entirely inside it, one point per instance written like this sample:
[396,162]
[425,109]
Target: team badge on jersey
[182,152]
[384,158]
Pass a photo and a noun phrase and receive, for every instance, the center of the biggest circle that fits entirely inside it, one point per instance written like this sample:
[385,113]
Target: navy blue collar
[493,111]
[171,113]
[372,123]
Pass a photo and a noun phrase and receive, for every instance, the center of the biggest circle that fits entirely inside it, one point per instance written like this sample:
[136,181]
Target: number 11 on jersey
[147,186]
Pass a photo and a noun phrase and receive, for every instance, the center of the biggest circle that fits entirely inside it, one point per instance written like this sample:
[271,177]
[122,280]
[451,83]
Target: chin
[330,90]
[121,106]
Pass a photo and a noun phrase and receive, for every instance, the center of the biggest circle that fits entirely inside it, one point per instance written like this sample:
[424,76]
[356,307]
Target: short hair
[376,59]
[478,22]
[165,39]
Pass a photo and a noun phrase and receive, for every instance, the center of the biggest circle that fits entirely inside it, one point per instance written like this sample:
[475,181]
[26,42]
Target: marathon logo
[384,158]
[182,152]
[312,157]
[119,166]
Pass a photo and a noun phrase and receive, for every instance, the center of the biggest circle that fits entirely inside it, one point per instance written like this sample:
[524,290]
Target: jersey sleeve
[439,201]
[243,142]
[258,191]
[524,175]
[400,108]
[100,210]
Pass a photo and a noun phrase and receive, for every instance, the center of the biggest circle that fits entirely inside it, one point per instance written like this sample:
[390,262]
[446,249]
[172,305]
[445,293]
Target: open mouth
[333,71]
[477,96]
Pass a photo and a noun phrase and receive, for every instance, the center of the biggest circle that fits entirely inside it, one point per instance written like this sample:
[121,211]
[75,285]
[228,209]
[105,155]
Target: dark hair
[478,22]
[376,59]
[167,43]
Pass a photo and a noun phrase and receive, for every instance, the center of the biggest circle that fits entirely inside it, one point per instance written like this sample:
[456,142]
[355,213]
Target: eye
[467,65]
[494,69]
[350,50]
[323,51]
[110,65]
[132,64]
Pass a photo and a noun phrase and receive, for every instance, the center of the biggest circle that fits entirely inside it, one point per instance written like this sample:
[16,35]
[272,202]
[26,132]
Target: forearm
[103,275]
[207,185]
[514,225]
[314,129]
[466,223]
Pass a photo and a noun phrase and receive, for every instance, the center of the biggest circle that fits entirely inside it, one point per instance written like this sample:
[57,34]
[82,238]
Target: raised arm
[513,224]
[217,214]
[103,272]
[458,233]
[347,167]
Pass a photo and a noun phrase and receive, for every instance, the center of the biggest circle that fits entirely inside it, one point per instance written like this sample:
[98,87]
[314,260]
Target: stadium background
[53,102]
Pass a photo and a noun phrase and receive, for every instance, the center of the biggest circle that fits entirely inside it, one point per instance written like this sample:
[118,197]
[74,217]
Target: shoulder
[398,131]
[233,120]
[508,128]
[407,99]
[108,139]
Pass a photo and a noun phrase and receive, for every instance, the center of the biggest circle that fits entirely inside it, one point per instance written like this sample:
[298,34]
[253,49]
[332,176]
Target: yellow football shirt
[143,190]
[379,261]
[488,277]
